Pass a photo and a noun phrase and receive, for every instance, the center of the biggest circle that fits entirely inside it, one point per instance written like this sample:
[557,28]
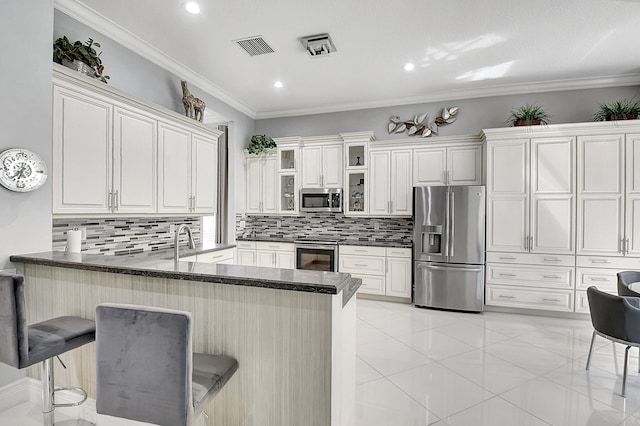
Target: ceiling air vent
[254,45]
[318,45]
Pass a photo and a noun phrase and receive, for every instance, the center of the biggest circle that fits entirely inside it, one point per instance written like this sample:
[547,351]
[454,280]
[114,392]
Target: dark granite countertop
[160,264]
[346,242]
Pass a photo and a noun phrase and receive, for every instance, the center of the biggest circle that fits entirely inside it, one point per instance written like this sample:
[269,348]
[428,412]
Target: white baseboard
[14,393]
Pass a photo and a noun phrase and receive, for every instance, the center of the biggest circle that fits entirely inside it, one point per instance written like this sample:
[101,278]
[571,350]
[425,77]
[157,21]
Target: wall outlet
[172,228]
[376,225]
[83,233]
[243,223]
[278,223]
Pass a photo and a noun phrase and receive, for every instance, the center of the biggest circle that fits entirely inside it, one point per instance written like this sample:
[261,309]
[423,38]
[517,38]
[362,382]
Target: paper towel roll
[74,240]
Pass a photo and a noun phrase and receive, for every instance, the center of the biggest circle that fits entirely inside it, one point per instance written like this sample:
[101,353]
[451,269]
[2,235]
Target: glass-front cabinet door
[287,159]
[356,155]
[356,199]
[288,193]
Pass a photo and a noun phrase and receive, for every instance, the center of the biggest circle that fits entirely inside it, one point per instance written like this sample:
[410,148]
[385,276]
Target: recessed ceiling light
[192,7]
[408,66]
[278,84]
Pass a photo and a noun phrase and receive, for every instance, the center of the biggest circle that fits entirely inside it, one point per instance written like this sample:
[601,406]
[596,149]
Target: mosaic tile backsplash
[118,236]
[327,224]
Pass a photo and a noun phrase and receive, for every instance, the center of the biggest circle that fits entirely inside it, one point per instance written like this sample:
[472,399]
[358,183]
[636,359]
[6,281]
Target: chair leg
[624,376]
[593,339]
[47,392]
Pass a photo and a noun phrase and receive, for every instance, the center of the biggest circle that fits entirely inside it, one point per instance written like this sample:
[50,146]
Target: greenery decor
[530,114]
[260,144]
[619,110]
[83,52]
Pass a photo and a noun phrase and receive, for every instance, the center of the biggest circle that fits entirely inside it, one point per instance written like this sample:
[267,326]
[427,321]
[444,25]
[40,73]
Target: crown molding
[615,127]
[102,24]
[457,94]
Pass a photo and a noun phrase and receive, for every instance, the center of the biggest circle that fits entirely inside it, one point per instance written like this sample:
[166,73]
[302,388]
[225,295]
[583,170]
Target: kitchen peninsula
[292,331]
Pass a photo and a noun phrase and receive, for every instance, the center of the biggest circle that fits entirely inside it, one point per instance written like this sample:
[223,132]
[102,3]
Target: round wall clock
[21,170]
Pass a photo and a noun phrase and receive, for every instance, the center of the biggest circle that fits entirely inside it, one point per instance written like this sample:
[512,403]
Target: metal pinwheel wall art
[420,125]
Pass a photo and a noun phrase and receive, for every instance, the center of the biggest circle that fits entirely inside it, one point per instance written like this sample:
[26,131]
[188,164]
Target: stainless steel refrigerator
[448,247]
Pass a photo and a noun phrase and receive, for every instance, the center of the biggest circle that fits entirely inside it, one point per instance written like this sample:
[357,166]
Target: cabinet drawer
[550,277]
[398,252]
[522,297]
[368,265]
[362,250]
[251,245]
[265,245]
[371,284]
[604,279]
[532,258]
[193,258]
[216,256]
[620,263]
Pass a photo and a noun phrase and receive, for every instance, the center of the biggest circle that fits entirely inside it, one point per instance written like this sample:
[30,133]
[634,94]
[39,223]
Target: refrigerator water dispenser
[432,239]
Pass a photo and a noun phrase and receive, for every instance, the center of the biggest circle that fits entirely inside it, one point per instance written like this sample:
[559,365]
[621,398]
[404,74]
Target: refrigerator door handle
[447,216]
[452,227]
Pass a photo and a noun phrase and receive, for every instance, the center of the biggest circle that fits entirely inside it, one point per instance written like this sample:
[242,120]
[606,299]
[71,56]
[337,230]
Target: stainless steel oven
[321,199]
[317,253]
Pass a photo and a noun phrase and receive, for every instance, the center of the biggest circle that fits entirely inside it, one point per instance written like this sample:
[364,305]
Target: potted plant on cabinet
[80,56]
[260,144]
[619,110]
[528,115]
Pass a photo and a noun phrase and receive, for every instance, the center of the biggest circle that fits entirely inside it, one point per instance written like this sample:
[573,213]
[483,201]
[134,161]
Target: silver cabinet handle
[360,265]
[115,202]
[507,258]
[551,259]
[194,202]
[598,261]
[448,178]
[507,275]
[544,299]
[444,177]
[506,297]
[551,276]
[110,201]
[530,243]
[597,279]
[626,246]
[526,243]
[360,251]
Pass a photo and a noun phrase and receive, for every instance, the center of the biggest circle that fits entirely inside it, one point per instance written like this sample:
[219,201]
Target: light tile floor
[427,367]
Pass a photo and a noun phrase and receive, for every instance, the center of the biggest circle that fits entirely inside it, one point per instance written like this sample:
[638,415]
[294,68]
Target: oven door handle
[315,246]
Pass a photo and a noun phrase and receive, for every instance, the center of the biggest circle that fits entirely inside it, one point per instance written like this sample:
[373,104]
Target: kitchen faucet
[176,246]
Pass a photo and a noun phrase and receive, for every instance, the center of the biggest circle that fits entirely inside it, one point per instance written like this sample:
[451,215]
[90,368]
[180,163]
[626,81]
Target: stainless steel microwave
[321,199]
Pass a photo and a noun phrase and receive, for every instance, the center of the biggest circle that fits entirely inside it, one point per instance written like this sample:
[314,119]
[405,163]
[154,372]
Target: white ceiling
[461,49]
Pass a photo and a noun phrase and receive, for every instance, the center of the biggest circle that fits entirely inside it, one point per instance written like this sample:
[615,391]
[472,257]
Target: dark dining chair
[625,279]
[616,318]
[146,370]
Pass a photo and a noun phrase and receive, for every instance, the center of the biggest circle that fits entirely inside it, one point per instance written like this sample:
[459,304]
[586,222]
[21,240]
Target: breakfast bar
[292,331]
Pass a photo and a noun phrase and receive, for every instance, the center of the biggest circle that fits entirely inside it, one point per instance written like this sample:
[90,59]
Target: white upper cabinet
[262,184]
[531,201]
[632,215]
[458,165]
[601,195]
[174,169]
[118,155]
[508,195]
[82,152]
[552,195]
[322,166]
[204,176]
[134,165]
[391,192]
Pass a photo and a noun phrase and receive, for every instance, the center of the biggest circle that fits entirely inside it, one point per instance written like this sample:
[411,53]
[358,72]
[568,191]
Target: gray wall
[474,115]
[25,119]
[140,77]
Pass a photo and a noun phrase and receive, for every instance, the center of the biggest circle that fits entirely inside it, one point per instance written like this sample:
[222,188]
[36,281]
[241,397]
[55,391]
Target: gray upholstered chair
[625,279]
[23,346]
[616,318]
[146,369]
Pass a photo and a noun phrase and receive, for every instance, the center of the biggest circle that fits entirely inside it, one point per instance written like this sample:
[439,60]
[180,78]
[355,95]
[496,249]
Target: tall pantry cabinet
[563,210]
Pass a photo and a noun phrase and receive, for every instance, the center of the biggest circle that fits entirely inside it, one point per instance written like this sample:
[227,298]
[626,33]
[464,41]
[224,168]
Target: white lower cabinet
[534,281]
[384,271]
[261,253]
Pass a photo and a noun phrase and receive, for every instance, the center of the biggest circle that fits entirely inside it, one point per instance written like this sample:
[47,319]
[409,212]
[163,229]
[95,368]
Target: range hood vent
[318,45]
[254,45]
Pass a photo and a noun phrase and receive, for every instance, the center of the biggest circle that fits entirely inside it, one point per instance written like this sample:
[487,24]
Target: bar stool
[146,369]
[24,345]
